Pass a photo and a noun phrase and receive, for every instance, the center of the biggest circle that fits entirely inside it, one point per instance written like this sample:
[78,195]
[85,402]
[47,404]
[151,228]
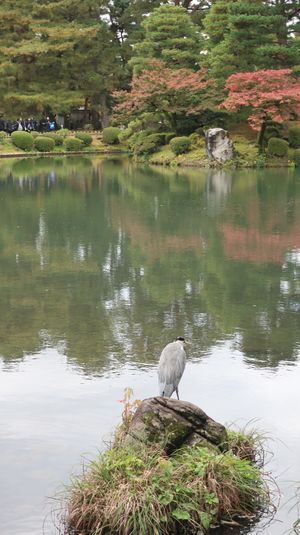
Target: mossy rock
[169,423]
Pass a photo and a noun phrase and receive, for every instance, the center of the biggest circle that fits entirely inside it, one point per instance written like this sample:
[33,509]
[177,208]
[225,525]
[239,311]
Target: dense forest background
[57,55]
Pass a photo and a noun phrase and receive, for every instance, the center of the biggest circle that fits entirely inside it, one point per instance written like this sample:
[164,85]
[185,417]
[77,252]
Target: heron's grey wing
[170,369]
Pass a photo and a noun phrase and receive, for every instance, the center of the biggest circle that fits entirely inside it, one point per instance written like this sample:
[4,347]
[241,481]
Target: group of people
[28,125]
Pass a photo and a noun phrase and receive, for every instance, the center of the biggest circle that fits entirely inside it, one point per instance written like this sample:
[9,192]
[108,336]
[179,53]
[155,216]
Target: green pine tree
[59,57]
[247,35]
[170,35]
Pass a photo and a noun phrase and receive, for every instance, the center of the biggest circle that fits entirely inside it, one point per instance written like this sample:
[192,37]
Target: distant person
[51,125]
[29,124]
[20,124]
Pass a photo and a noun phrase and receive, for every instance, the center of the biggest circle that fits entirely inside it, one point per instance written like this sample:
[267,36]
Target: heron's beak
[188,343]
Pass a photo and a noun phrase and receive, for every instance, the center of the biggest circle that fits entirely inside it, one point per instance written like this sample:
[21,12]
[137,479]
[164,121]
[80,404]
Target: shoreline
[174,164]
[53,153]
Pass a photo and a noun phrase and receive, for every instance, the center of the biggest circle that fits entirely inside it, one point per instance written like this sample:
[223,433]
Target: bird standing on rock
[171,367]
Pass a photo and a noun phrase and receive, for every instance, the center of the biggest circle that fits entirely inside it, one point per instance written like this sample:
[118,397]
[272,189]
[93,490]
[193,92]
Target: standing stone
[219,146]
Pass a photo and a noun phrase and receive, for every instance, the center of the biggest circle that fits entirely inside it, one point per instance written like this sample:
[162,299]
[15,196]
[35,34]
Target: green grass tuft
[136,492]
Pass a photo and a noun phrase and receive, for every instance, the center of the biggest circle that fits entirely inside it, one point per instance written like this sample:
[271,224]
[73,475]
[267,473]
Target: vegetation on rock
[141,489]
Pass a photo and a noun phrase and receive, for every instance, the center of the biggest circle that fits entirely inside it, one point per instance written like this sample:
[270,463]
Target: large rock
[219,146]
[172,424]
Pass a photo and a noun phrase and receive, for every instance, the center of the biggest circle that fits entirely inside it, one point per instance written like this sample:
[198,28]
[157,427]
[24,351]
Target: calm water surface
[101,264]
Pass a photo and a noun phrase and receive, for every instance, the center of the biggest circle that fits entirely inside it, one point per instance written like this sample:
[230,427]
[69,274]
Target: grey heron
[171,367]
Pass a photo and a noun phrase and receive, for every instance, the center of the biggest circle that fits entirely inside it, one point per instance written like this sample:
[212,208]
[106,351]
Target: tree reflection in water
[108,261]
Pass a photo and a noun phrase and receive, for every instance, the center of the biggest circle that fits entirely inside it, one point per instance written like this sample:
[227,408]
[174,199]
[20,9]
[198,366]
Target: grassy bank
[128,491]
[246,155]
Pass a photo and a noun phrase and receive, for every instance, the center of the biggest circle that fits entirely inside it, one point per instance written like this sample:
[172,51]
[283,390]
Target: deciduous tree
[164,90]
[269,94]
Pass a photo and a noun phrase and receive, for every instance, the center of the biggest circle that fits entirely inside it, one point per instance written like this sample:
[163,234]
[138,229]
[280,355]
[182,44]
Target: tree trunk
[104,112]
[86,107]
[261,135]
[171,119]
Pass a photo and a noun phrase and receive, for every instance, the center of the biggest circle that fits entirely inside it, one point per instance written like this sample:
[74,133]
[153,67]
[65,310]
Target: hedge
[179,145]
[57,138]
[277,147]
[64,132]
[73,144]
[85,138]
[22,140]
[44,143]
[110,135]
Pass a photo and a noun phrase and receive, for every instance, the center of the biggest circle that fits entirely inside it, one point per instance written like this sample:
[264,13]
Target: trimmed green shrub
[294,137]
[22,140]
[57,138]
[35,134]
[196,138]
[73,144]
[296,157]
[64,132]
[44,143]
[179,145]
[110,135]
[85,138]
[277,147]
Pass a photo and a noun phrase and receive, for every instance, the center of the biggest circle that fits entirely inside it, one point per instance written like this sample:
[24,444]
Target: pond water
[101,264]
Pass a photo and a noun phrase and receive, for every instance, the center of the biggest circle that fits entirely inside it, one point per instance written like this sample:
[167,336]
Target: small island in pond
[171,469]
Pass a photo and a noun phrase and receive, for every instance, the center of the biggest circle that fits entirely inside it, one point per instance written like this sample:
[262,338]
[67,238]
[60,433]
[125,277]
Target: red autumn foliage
[272,94]
[163,90]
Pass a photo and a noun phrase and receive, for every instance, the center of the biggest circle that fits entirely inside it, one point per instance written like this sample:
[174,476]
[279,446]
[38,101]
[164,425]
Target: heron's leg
[176,390]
